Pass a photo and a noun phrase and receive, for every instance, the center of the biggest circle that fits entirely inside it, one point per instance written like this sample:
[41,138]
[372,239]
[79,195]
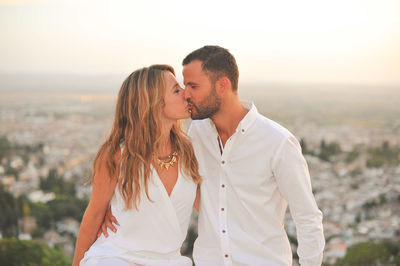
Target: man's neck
[228,118]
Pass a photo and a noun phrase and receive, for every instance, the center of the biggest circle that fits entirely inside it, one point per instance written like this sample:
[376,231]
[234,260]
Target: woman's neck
[165,148]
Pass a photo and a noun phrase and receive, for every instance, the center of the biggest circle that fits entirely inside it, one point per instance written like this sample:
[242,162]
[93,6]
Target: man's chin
[197,117]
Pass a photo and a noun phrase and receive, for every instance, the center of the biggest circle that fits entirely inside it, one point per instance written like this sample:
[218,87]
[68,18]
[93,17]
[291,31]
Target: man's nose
[186,93]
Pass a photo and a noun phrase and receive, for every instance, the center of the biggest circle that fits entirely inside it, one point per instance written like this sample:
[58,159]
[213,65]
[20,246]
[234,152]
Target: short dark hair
[217,61]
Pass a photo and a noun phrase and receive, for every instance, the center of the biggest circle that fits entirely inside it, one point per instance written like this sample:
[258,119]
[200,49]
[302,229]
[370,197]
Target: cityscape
[350,137]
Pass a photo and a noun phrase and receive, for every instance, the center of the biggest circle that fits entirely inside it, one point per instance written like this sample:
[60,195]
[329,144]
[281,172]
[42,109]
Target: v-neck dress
[153,234]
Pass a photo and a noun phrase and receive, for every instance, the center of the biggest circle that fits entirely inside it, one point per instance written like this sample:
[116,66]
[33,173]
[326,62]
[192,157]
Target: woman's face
[176,107]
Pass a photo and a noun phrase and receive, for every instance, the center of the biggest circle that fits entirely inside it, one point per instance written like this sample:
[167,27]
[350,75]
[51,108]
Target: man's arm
[108,222]
[291,173]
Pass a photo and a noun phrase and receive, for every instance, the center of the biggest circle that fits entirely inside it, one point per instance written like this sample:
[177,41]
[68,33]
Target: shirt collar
[244,124]
[249,118]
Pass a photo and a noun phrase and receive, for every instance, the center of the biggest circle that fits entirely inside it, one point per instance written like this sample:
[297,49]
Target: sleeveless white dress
[151,235]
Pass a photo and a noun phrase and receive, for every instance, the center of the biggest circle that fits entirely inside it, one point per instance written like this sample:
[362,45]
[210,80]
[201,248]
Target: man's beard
[206,108]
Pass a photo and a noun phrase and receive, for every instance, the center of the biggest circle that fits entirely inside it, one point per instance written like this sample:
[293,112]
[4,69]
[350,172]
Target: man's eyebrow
[191,83]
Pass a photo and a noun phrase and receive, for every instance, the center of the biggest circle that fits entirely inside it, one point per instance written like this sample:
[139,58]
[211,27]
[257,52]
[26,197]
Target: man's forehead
[194,71]
[195,78]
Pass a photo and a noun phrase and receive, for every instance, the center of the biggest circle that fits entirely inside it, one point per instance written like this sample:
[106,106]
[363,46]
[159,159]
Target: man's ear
[222,85]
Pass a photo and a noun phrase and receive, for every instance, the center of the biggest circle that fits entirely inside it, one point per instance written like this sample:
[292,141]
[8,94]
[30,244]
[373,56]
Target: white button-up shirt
[247,186]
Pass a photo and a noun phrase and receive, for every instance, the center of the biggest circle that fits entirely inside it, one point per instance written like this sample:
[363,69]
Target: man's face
[203,99]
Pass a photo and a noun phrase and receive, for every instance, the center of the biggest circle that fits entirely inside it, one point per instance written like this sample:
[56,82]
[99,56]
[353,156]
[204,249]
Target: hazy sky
[347,41]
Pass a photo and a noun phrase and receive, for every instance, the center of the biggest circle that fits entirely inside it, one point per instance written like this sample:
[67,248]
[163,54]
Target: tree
[328,150]
[57,184]
[14,252]
[67,206]
[365,254]
[384,155]
[352,156]
[396,261]
[5,146]
[10,212]
[42,214]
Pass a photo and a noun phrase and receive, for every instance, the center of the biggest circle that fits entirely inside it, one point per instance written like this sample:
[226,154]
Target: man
[252,168]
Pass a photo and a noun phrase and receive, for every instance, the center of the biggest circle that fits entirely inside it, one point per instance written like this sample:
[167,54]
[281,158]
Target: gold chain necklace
[168,164]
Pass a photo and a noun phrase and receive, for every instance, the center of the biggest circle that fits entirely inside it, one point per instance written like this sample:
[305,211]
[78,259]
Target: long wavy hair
[138,127]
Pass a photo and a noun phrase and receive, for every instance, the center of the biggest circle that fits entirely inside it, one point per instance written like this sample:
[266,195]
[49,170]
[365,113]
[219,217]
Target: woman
[147,171]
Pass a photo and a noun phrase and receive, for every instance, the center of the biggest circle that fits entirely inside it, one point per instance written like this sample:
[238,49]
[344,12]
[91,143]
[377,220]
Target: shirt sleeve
[293,179]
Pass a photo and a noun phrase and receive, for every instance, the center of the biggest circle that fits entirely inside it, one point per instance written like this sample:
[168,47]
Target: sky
[314,41]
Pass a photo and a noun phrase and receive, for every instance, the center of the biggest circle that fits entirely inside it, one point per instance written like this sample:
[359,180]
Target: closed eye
[191,85]
[176,88]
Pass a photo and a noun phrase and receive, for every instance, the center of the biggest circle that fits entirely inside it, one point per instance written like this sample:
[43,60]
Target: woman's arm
[102,191]
[196,204]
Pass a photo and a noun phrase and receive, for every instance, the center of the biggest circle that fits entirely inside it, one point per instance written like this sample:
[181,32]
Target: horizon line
[247,82]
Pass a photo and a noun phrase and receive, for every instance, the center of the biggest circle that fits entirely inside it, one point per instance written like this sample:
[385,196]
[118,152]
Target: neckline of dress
[162,184]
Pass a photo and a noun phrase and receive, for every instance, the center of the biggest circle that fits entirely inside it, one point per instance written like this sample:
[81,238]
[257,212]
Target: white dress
[151,235]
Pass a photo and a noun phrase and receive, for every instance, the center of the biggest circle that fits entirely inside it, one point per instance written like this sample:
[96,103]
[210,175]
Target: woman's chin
[186,116]
[183,116]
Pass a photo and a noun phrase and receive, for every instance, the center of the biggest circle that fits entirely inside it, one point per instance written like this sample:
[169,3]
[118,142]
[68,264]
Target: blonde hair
[137,124]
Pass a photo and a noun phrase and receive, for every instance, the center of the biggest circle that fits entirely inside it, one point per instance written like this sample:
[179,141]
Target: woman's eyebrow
[176,84]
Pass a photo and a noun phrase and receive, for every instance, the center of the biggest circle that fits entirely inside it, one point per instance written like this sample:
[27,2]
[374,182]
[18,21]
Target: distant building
[334,251]
[27,224]
[40,196]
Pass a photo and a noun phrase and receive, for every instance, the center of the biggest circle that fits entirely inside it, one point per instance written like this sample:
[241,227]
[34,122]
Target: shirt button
[242,130]
[223,162]
[226,255]
[222,209]
[222,185]
[223,231]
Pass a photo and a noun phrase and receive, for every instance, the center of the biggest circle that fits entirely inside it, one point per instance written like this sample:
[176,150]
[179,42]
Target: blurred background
[329,71]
